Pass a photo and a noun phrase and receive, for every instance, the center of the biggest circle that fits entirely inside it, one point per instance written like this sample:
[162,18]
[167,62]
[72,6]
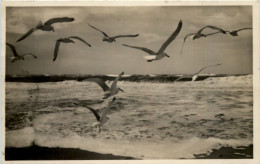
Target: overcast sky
[154,24]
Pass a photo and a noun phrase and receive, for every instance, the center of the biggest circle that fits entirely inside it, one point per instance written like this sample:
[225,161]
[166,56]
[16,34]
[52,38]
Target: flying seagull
[195,76]
[46,26]
[160,53]
[67,40]
[199,34]
[113,38]
[108,91]
[103,118]
[16,55]
[234,32]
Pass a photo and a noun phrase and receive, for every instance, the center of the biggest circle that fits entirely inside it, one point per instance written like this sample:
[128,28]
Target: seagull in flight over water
[199,34]
[103,118]
[16,55]
[108,91]
[113,38]
[67,40]
[46,26]
[195,76]
[160,53]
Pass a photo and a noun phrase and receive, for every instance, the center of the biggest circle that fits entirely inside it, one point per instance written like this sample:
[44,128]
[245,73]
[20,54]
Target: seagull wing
[99,30]
[171,38]
[56,50]
[113,86]
[120,36]
[30,55]
[212,27]
[185,40]
[13,49]
[94,112]
[27,34]
[213,33]
[58,20]
[243,29]
[181,78]
[100,82]
[80,39]
[104,113]
[205,68]
[150,52]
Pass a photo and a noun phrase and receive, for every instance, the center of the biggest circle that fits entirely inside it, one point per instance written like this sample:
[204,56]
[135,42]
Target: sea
[149,120]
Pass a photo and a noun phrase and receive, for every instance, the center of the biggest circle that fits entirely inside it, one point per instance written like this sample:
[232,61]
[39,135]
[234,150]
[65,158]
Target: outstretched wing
[94,112]
[120,36]
[213,33]
[30,55]
[212,27]
[100,82]
[113,86]
[99,30]
[205,68]
[243,29]
[150,52]
[185,40]
[80,39]
[27,34]
[104,113]
[56,50]
[13,49]
[171,38]
[58,20]
[181,78]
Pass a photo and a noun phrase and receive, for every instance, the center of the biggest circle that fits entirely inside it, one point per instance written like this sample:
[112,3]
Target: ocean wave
[143,150]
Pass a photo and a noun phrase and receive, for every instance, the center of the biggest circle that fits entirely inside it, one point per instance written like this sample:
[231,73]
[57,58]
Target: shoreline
[45,153]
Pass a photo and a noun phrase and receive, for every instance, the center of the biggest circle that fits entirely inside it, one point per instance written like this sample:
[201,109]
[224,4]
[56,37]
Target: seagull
[46,26]
[108,91]
[160,53]
[16,55]
[102,119]
[199,34]
[234,32]
[195,76]
[113,38]
[66,40]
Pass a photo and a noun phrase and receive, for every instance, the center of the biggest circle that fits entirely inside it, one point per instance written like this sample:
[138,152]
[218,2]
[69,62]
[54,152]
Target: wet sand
[241,152]
[45,153]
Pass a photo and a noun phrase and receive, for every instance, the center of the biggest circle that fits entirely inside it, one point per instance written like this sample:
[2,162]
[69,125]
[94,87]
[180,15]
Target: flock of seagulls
[113,90]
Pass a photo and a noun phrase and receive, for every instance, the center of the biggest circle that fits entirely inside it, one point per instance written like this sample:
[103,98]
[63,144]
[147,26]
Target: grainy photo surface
[128,82]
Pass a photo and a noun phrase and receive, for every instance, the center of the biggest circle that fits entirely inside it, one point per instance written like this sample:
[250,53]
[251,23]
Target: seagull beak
[53,30]
[121,90]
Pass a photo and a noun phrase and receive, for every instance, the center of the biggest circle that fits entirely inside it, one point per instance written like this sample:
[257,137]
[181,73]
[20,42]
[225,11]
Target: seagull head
[106,95]
[52,29]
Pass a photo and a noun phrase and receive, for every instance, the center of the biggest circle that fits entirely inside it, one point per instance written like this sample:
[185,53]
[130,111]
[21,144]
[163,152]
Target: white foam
[145,150]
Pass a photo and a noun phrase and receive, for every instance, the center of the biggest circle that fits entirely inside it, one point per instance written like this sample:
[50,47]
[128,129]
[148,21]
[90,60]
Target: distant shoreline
[44,153]
[131,78]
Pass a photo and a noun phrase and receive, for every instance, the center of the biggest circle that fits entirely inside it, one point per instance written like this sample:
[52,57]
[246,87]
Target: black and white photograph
[128,82]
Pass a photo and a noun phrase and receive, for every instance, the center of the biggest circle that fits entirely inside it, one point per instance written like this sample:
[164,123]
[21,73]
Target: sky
[153,24]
